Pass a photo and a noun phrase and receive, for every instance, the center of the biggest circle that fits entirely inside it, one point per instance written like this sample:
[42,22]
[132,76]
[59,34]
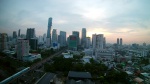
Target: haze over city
[127,19]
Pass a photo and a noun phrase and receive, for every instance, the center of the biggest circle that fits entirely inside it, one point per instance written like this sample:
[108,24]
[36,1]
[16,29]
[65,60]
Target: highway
[46,79]
[40,63]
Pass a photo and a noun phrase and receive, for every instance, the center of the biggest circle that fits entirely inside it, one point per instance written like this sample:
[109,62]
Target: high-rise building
[121,41]
[48,40]
[30,33]
[62,38]
[33,42]
[22,48]
[83,38]
[54,36]
[76,33]
[144,44]
[97,41]
[44,38]
[72,42]
[117,41]
[19,33]
[14,34]
[88,42]
[104,42]
[3,41]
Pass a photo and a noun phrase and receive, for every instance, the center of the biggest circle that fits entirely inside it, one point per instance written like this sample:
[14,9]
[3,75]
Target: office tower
[40,40]
[97,41]
[22,48]
[30,33]
[104,42]
[3,41]
[14,34]
[72,42]
[54,36]
[88,42]
[44,38]
[19,33]
[33,43]
[83,38]
[62,38]
[117,41]
[121,41]
[76,33]
[48,40]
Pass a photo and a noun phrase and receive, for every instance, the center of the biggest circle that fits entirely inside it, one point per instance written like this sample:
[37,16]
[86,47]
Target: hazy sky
[127,19]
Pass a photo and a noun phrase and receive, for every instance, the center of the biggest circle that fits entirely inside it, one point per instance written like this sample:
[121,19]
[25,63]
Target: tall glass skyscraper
[49,27]
[48,40]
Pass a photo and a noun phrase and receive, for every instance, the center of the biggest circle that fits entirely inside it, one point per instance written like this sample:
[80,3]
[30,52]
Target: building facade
[97,41]
[30,33]
[120,41]
[62,38]
[76,33]
[22,48]
[33,42]
[72,42]
[3,41]
[83,38]
[54,36]
[48,40]
[88,42]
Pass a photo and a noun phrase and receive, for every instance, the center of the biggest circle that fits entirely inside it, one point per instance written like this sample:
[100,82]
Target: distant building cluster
[23,43]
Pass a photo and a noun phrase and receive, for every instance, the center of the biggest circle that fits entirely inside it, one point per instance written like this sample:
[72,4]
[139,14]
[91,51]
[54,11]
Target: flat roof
[75,74]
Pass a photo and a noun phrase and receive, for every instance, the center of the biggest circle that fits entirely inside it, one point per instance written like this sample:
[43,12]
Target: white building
[31,57]
[97,41]
[67,55]
[22,48]
[104,55]
[86,59]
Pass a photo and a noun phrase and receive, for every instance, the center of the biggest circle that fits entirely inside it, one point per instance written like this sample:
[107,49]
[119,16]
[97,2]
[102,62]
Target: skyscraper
[14,34]
[117,41]
[30,33]
[48,40]
[83,38]
[97,41]
[121,41]
[76,33]
[54,36]
[49,27]
[62,38]
[19,33]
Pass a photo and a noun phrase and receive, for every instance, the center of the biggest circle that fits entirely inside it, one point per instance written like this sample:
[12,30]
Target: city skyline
[126,19]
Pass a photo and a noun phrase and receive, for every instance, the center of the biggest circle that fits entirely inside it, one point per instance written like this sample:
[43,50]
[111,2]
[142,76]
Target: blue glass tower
[48,42]
[49,27]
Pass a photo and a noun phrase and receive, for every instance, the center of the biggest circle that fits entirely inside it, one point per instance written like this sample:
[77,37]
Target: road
[46,78]
[40,63]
